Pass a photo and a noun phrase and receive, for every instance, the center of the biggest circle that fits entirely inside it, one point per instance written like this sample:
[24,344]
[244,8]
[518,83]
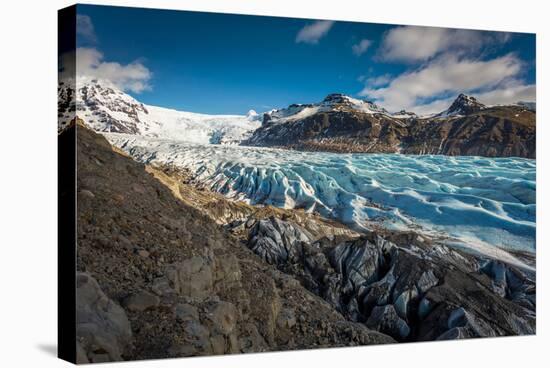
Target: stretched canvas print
[236,184]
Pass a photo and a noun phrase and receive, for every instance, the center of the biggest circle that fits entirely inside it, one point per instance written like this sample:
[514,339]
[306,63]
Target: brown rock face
[501,131]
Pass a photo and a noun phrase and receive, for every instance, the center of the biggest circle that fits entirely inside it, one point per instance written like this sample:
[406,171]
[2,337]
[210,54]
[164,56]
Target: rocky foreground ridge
[166,269]
[343,124]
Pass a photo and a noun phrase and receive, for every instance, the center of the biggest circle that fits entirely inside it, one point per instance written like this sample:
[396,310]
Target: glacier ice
[478,201]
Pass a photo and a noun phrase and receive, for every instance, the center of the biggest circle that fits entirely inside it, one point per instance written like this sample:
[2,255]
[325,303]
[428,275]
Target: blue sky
[229,64]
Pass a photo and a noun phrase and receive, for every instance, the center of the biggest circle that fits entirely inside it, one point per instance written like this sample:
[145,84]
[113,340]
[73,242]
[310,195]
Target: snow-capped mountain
[332,103]
[104,108]
[461,106]
[343,124]
[338,123]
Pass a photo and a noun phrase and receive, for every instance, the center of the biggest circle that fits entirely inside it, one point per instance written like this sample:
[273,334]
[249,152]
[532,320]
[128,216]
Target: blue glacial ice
[485,203]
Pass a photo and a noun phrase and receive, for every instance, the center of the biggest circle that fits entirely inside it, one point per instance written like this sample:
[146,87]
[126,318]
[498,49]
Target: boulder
[102,327]
[223,316]
[192,278]
[161,286]
[141,301]
[286,319]
[185,312]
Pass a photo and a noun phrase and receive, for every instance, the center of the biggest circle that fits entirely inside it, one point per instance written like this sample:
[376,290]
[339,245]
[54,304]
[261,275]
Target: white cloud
[313,32]
[508,93]
[445,75]
[90,64]
[433,107]
[412,43]
[512,92]
[361,47]
[133,77]
[378,81]
[85,28]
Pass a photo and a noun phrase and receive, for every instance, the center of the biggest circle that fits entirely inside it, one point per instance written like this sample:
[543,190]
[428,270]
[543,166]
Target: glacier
[485,204]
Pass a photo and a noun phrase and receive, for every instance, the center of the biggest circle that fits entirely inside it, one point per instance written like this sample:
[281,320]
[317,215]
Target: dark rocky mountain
[343,124]
[462,105]
[499,131]
[166,269]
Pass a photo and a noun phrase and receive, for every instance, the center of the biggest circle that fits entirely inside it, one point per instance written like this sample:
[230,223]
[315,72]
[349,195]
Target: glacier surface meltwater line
[485,202]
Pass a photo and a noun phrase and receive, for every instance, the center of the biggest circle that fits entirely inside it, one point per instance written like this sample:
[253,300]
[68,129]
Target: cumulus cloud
[412,43]
[511,92]
[432,107]
[85,28]
[361,47]
[313,32]
[448,75]
[90,64]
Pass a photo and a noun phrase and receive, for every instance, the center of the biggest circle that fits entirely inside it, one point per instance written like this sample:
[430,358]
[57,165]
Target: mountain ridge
[339,123]
[467,127]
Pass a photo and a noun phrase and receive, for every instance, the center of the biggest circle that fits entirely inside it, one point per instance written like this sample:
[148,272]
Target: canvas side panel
[66,161]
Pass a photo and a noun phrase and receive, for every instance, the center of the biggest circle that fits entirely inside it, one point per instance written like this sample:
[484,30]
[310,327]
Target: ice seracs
[436,194]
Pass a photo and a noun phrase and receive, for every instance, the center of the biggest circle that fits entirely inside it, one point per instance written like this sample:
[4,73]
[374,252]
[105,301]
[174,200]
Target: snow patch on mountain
[461,106]
[104,108]
[333,102]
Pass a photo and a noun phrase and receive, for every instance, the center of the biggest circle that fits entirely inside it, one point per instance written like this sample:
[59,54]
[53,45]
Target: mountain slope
[342,124]
[462,105]
[175,280]
[339,123]
[104,108]
[500,131]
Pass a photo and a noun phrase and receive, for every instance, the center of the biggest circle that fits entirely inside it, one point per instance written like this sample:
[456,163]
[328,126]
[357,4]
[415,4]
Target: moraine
[484,204]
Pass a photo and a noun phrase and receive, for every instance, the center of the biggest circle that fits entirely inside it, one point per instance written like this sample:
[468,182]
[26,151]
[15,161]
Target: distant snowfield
[105,108]
[197,128]
[486,204]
